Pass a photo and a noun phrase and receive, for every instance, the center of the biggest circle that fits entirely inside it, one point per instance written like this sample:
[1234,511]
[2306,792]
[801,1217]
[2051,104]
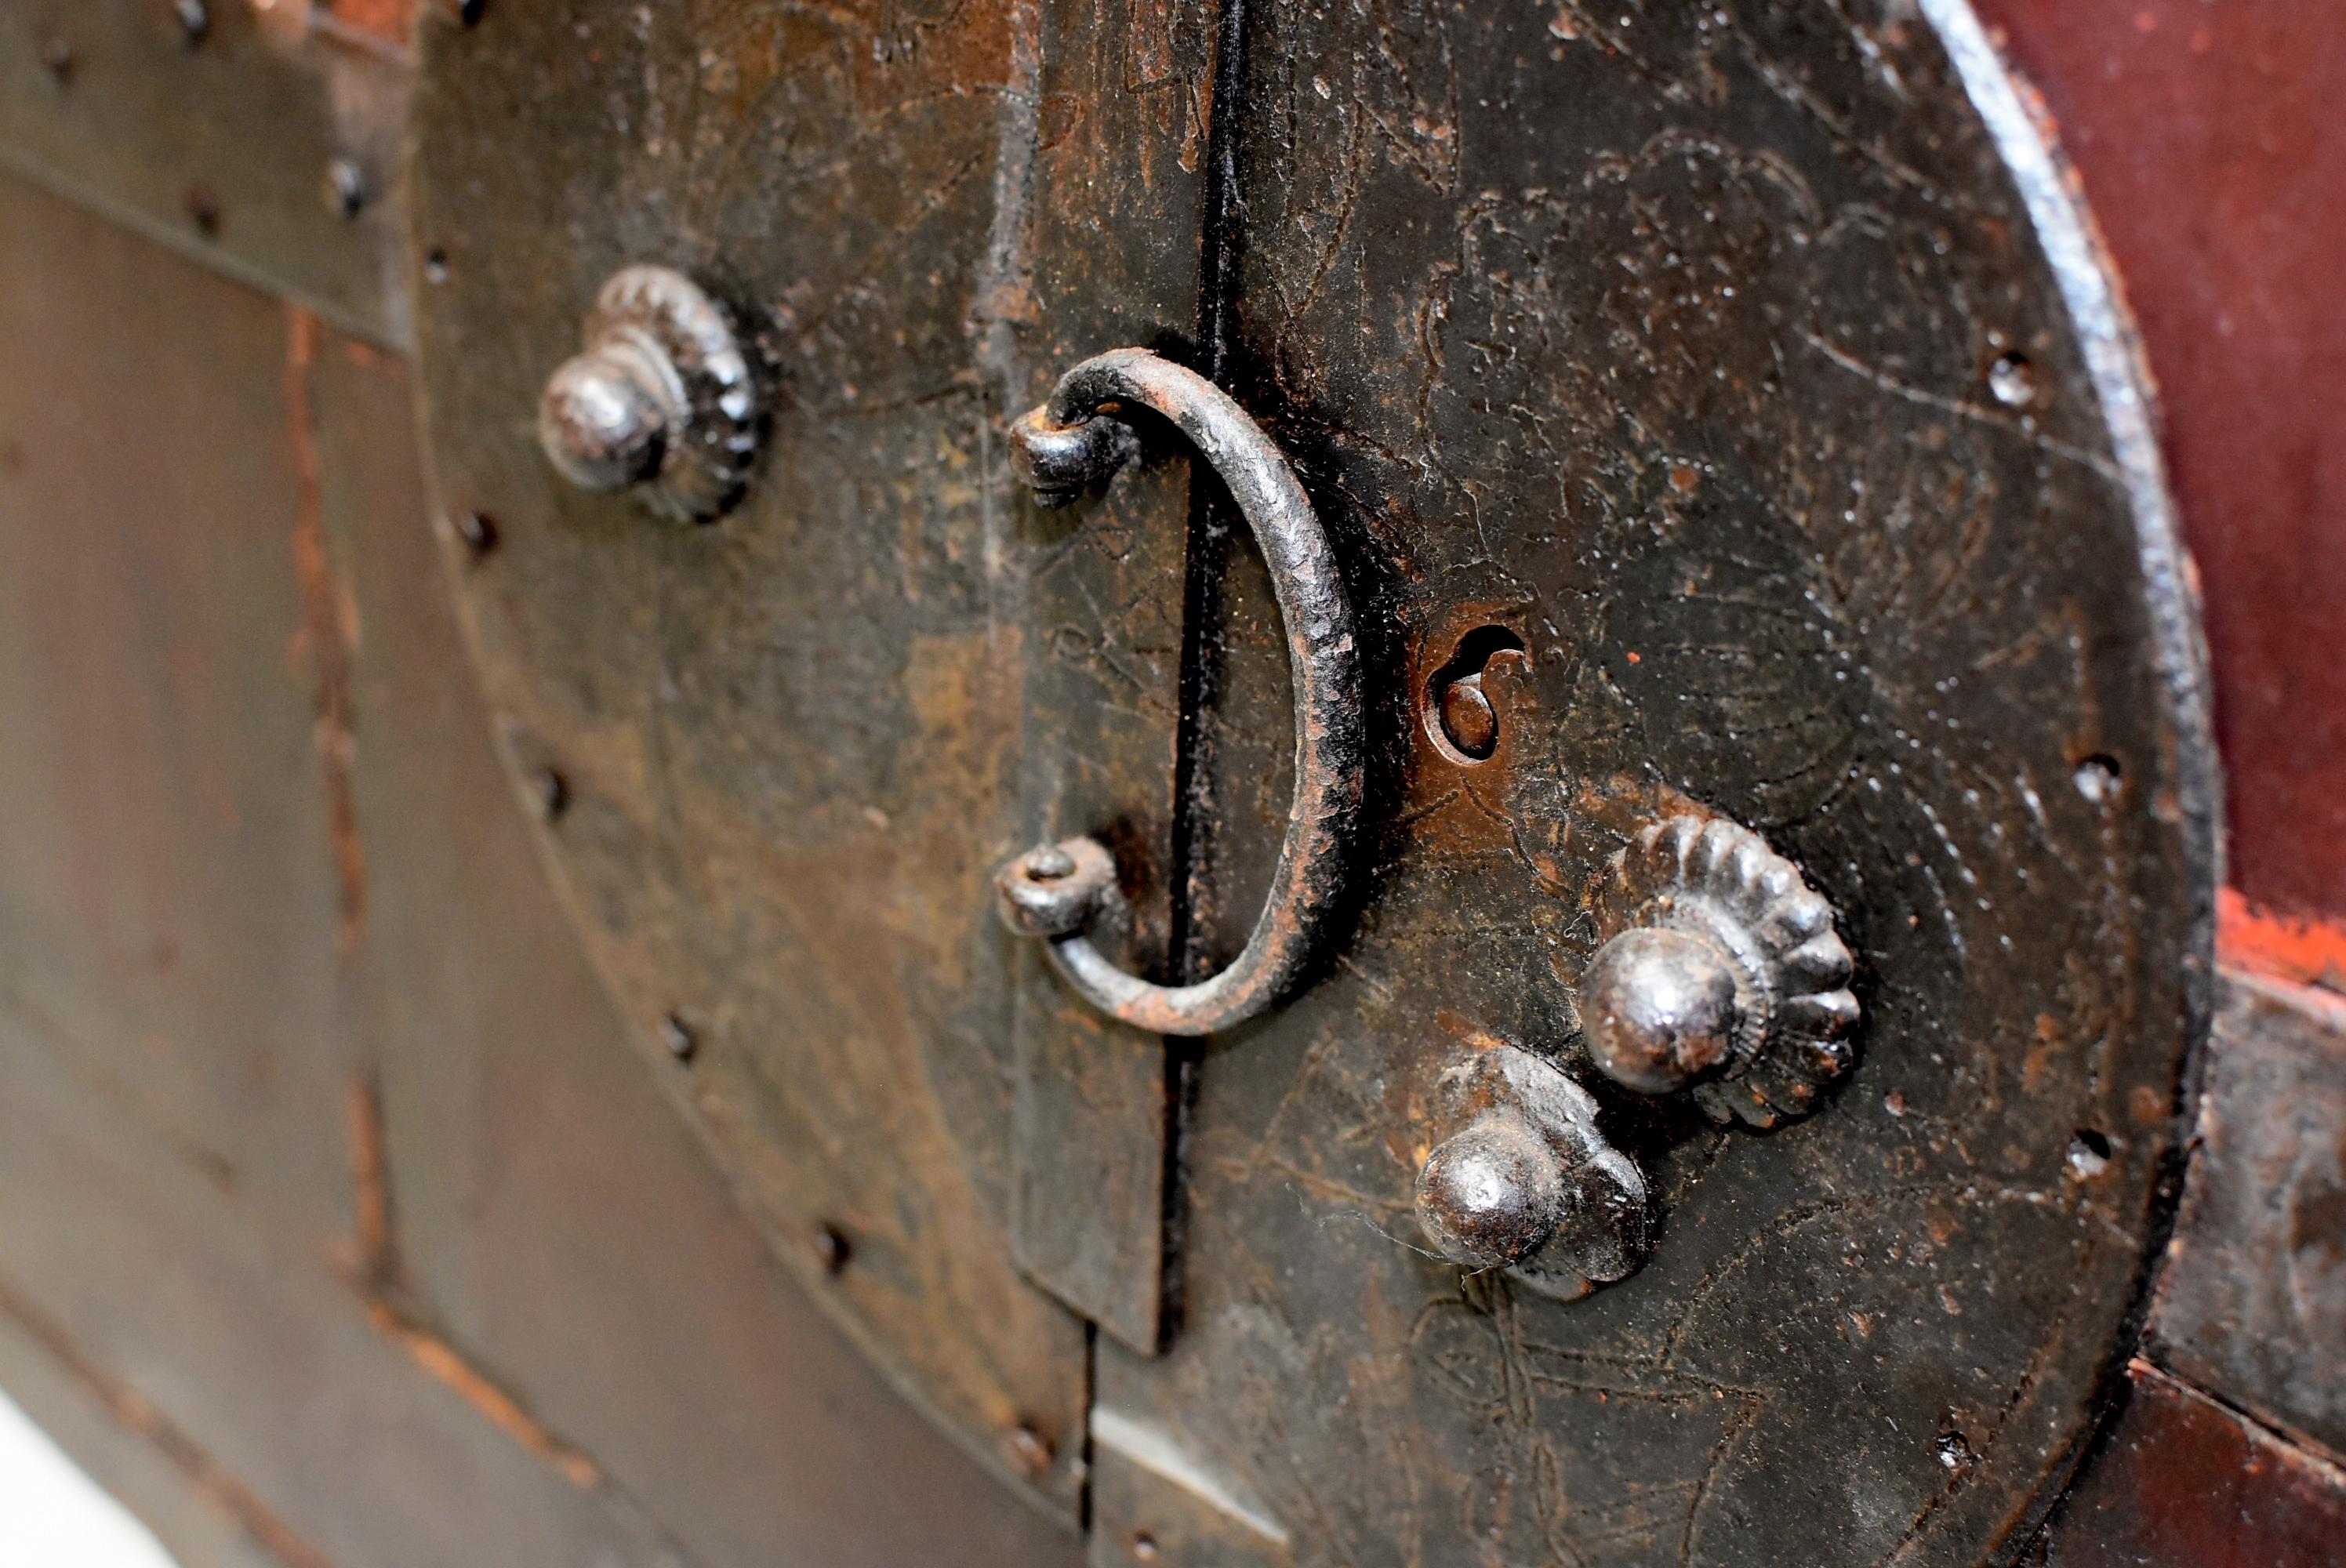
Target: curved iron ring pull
[1079,439]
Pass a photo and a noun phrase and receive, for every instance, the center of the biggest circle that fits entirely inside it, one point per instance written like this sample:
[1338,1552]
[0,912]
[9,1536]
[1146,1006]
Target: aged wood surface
[352,1196]
[1712,360]
[223,142]
[2184,1482]
[338,1221]
[173,908]
[2251,1304]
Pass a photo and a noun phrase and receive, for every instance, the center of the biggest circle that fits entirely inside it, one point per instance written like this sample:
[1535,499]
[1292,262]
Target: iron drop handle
[1078,439]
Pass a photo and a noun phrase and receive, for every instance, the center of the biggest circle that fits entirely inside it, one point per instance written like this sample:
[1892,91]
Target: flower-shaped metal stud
[662,403]
[1720,972]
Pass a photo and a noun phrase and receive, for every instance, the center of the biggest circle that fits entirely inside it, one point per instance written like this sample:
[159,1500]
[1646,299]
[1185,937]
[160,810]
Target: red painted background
[2211,138]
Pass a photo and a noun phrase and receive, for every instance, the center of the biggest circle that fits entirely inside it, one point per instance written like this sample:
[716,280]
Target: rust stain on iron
[328,637]
[136,1414]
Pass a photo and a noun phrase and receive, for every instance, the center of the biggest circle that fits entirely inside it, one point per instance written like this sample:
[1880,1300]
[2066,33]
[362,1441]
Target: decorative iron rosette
[1719,971]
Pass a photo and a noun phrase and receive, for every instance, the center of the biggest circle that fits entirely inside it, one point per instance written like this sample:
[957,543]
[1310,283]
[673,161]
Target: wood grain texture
[2184,1482]
[2251,1304]
[519,1318]
[173,1163]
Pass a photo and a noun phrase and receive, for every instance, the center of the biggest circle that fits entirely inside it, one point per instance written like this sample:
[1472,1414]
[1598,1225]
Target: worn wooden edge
[220,150]
[146,1464]
[2184,1479]
[2271,945]
[2241,1310]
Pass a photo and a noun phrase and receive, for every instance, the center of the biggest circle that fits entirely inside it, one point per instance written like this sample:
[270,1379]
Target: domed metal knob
[1519,1177]
[1659,1008]
[661,404]
[605,416]
[1490,1194]
[1719,972]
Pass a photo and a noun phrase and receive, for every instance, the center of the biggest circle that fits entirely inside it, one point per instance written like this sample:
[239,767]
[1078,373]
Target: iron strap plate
[1713,411]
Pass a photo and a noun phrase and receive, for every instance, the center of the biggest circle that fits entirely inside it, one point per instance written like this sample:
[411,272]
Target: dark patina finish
[317,1122]
[1059,450]
[1712,416]
[1664,342]
[792,739]
[1522,1179]
[1719,973]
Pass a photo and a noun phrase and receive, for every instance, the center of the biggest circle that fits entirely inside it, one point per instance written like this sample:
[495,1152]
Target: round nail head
[602,424]
[1492,1193]
[1659,1008]
[1468,720]
[1050,864]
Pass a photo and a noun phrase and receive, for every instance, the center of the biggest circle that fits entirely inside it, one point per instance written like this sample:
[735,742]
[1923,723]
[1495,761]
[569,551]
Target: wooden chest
[1308,782]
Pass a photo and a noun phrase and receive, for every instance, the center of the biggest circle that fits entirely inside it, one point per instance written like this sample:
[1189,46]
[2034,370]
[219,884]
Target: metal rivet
[59,57]
[1717,962]
[2098,779]
[436,266]
[661,401]
[195,19]
[476,532]
[1520,1178]
[1144,1547]
[604,421]
[1058,890]
[203,210]
[346,187]
[2013,380]
[1030,1451]
[1468,720]
[677,1035]
[831,1249]
[1660,1008]
[553,794]
[1492,1194]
